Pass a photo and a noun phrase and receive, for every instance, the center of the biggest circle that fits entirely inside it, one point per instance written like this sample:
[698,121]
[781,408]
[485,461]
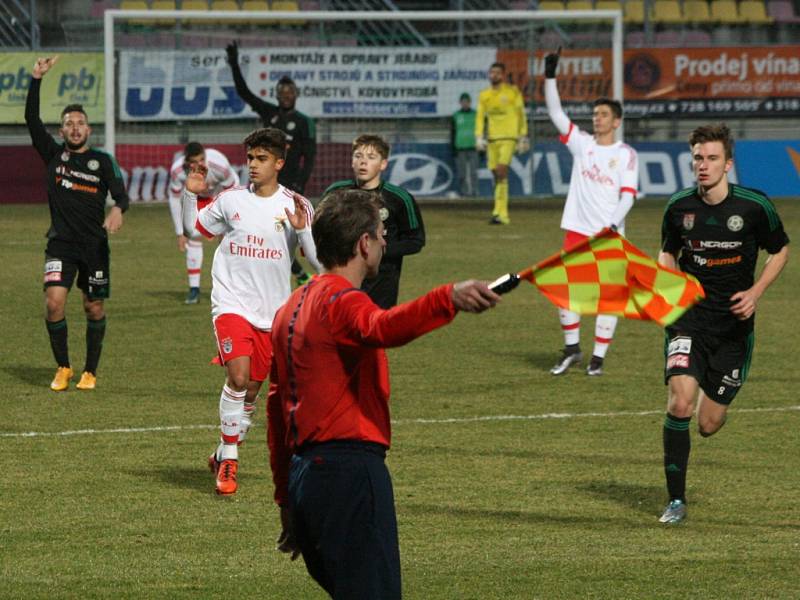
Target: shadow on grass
[168,295]
[35,376]
[512,516]
[197,479]
[642,498]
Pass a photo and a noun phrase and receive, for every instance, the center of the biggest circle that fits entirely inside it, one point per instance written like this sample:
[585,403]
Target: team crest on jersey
[227,346]
[65,156]
[612,164]
[735,222]
[384,213]
[291,125]
[93,165]
[280,224]
[688,221]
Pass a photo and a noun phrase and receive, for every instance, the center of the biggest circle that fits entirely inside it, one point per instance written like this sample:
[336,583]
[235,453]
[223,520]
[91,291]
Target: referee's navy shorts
[342,505]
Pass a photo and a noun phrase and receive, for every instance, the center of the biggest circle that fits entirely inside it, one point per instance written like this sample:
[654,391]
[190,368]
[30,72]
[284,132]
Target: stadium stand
[782,11]
[668,12]
[551,5]
[754,12]
[579,5]
[634,11]
[697,12]
[725,11]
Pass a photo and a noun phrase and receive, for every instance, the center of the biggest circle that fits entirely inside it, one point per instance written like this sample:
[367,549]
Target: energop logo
[420,174]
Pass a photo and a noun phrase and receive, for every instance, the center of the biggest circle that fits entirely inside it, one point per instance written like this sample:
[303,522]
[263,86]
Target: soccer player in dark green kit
[79,178]
[405,232]
[713,231]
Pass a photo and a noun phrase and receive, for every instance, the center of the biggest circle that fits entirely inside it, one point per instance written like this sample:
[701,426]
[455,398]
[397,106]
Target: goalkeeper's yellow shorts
[499,152]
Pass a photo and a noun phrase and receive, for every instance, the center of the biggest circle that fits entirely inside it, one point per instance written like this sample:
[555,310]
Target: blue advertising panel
[664,168]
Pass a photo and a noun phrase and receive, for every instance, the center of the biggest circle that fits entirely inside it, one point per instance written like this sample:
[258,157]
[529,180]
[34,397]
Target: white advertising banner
[349,82]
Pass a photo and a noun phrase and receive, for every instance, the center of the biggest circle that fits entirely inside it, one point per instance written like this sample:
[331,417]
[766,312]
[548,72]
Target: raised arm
[551,98]
[43,142]
[264,109]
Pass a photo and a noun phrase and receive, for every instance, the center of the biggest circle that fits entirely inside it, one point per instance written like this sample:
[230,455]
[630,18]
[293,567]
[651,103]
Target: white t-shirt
[599,176]
[252,265]
[220,177]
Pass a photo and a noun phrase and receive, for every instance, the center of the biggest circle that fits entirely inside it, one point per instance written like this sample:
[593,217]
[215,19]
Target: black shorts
[720,365]
[90,262]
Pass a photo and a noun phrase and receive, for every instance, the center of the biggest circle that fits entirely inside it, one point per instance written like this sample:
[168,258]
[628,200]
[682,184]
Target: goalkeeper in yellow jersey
[500,130]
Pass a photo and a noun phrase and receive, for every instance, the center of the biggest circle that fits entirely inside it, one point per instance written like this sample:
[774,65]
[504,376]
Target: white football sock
[603,334]
[194,261]
[570,325]
[231,410]
[247,418]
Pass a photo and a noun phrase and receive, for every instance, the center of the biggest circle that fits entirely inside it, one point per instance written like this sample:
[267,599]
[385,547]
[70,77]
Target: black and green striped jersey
[405,234]
[719,245]
[78,183]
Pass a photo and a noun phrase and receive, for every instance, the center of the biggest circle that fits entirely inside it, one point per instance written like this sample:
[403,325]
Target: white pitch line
[447,421]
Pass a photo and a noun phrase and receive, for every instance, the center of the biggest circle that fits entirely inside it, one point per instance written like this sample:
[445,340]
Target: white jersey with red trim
[599,176]
[252,265]
[221,176]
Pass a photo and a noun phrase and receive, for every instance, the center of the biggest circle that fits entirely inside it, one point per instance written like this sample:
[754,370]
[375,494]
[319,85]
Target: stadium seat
[579,5]
[551,5]
[608,5]
[725,11]
[224,5]
[696,11]
[754,12]
[782,11]
[195,5]
[135,5]
[667,11]
[634,11]
[288,6]
[163,5]
[256,6]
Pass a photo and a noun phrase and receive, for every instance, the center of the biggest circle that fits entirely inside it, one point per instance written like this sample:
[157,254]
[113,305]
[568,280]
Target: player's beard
[73,146]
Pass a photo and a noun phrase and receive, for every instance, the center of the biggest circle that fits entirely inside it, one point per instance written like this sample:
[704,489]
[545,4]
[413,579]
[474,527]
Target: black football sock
[57,331]
[95,332]
[677,444]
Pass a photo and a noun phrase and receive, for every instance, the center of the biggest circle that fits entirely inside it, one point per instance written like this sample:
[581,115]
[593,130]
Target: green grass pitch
[509,483]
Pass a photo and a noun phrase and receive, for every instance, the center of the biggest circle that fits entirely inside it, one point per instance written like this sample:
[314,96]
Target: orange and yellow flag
[606,274]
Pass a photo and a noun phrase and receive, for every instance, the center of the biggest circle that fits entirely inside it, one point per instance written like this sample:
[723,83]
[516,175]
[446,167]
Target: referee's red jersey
[330,376]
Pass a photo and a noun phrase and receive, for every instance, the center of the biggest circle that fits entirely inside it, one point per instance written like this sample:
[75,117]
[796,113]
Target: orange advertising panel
[725,80]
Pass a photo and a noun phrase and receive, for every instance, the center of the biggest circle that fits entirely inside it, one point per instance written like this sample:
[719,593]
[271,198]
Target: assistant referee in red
[328,408]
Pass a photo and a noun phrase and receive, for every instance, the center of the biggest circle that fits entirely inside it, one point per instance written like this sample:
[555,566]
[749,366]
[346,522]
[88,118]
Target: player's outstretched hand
[43,65]
[299,218]
[196,179]
[286,540]
[474,296]
[232,50]
[480,144]
[551,63]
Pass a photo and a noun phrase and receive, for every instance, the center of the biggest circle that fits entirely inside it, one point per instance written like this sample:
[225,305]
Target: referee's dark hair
[714,133]
[340,220]
[270,139]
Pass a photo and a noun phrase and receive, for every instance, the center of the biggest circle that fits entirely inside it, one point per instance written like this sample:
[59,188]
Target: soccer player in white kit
[602,188]
[261,226]
[220,176]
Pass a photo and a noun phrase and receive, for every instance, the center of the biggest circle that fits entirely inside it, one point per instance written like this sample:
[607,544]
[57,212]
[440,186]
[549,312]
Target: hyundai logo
[420,174]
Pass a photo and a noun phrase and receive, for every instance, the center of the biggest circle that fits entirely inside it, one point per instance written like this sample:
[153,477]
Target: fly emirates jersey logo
[595,174]
[254,247]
